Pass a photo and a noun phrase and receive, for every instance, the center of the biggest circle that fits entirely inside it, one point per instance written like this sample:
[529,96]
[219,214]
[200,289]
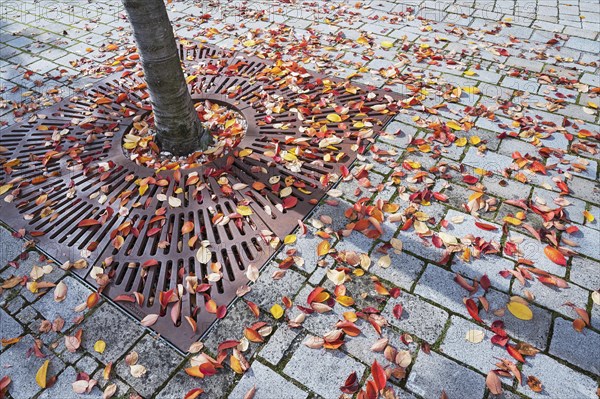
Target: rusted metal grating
[75,186]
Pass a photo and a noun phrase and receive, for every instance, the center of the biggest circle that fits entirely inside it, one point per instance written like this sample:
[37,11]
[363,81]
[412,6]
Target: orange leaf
[92,300]
[254,308]
[194,372]
[252,335]
[515,353]
[323,248]
[187,227]
[578,325]
[555,255]
[88,222]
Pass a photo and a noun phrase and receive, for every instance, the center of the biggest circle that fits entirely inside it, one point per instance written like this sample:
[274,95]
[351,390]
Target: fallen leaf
[277,311]
[100,346]
[493,383]
[519,310]
[41,375]
[475,336]
[555,255]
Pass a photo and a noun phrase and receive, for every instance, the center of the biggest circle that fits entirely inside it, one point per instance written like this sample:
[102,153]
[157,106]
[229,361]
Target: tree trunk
[178,128]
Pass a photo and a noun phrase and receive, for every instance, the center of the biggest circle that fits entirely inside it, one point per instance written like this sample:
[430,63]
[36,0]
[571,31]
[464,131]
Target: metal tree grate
[67,165]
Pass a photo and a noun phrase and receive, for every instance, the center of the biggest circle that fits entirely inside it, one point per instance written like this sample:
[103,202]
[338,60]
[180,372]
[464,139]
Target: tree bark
[178,128]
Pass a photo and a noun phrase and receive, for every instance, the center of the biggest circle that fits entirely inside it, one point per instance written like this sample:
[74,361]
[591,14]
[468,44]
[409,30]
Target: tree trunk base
[178,144]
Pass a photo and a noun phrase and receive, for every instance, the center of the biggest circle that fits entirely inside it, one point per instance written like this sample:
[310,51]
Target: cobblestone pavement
[535,66]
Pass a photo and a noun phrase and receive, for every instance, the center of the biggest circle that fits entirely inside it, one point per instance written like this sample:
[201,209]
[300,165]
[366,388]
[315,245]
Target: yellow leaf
[334,118]
[245,152]
[40,376]
[190,78]
[588,216]
[249,43]
[513,221]
[475,140]
[387,44]
[345,300]
[469,73]
[244,210]
[592,105]
[5,188]
[277,311]
[471,90]
[520,311]
[100,346]
[461,142]
[362,40]
[289,239]
[454,125]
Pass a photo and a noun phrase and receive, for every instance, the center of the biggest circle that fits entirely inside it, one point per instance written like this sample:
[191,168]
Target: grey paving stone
[323,371]
[360,346]
[419,318]
[482,356]
[419,247]
[160,361]
[437,285]
[305,248]
[554,298]
[317,323]
[433,373]
[506,188]
[588,241]
[87,364]
[214,387]
[356,242]
[574,210]
[534,331]
[266,291]
[110,325]
[63,388]
[403,270]
[268,384]
[489,161]
[581,349]
[558,381]
[22,368]
[9,327]
[486,265]
[10,247]
[77,294]
[23,267]
[530,248]
[585,190]
[238,317]
[585,272]
[278,344]
[362,290]
[467,227]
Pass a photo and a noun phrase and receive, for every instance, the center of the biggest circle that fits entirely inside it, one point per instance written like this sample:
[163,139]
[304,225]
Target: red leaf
[379,376]
[194,393]
[289,202]
[221,311]
[485,226]
[473,309]
[149,263]
[227,345]
[398,311]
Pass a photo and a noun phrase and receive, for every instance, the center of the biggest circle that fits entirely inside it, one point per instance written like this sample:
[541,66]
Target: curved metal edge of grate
[71,167]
